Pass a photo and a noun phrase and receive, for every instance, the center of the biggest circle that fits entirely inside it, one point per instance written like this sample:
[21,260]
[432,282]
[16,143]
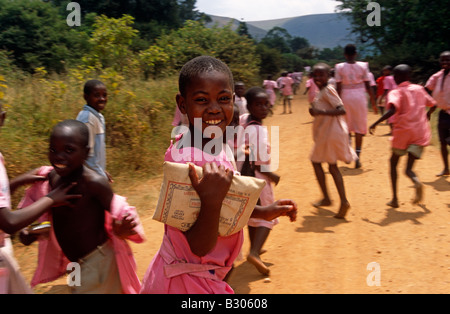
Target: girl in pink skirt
[258,142]
[330,134]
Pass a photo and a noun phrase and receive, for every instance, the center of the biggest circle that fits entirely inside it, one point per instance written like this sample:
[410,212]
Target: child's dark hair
[253,92]
[77,126]
[199,65]
[322,66]
[90,85]
[350,50]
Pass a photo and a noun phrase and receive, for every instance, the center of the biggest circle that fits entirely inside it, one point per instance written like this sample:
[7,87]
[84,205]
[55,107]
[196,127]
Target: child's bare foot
[324,202]
[258,263]
[445,172]
[393,203]
[419,192]
[343,211]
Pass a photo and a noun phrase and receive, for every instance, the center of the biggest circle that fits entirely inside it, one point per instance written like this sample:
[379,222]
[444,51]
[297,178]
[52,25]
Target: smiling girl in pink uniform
[197,260]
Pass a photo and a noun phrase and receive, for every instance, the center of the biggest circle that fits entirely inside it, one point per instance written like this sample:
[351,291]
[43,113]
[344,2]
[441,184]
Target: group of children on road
[90,224]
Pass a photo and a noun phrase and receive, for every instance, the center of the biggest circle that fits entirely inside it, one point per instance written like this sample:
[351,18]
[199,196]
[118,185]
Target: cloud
[254,10]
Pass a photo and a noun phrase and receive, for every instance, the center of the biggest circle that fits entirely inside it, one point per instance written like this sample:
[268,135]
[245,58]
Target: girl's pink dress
[175,269]
[330,133]
[312,91]
[270,87]
[258,139]
[353,77]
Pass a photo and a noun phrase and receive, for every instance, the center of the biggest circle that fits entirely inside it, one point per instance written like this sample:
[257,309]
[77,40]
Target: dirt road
[408,247]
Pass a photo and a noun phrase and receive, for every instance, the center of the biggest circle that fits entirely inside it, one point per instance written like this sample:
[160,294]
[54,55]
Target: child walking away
[406,109]
[271,86]
[11,280]
[96,98]
[286,90]
[259,147]
[439,86]
[352,78]
[91,231]
[197,260]
[330,134]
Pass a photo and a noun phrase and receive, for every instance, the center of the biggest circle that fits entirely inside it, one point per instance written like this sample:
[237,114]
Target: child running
[330,134]
[11,280]
[352,78]
[197,261]
[271,86]
[85,231]
[406,109]
[439,86]
[259,229]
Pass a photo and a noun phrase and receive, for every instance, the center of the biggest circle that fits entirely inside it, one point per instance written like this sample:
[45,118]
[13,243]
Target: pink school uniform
[270,87]
[286,83]
[353,94]
[175,269]
[258,141]
[389,84]
[312,91]
[410,122]
[441,92]
[52,262]
[330,133]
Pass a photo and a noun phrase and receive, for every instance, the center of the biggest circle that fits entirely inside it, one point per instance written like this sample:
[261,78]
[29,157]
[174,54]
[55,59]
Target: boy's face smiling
[210,98]
[67,152]
[97,98]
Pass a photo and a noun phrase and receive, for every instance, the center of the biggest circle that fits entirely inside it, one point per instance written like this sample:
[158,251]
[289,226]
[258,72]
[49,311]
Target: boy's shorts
[414,150]
[99,272]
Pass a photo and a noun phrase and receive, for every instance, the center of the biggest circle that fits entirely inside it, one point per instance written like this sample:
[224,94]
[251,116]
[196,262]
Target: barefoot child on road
[330,134]
[197,260]
[406,110]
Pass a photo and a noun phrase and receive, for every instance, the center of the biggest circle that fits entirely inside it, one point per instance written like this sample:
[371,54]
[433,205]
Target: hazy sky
[257,10]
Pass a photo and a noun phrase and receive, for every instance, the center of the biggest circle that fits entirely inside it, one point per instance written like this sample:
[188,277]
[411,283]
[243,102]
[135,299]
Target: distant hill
[321,30]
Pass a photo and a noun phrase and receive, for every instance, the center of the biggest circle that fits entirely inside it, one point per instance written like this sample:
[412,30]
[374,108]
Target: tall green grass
[138,119]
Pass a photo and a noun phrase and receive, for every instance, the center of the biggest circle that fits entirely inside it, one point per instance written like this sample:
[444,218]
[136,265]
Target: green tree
[243,30]
[278,38]
[36,35]
[194,39]
[111,42]
[413,31]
